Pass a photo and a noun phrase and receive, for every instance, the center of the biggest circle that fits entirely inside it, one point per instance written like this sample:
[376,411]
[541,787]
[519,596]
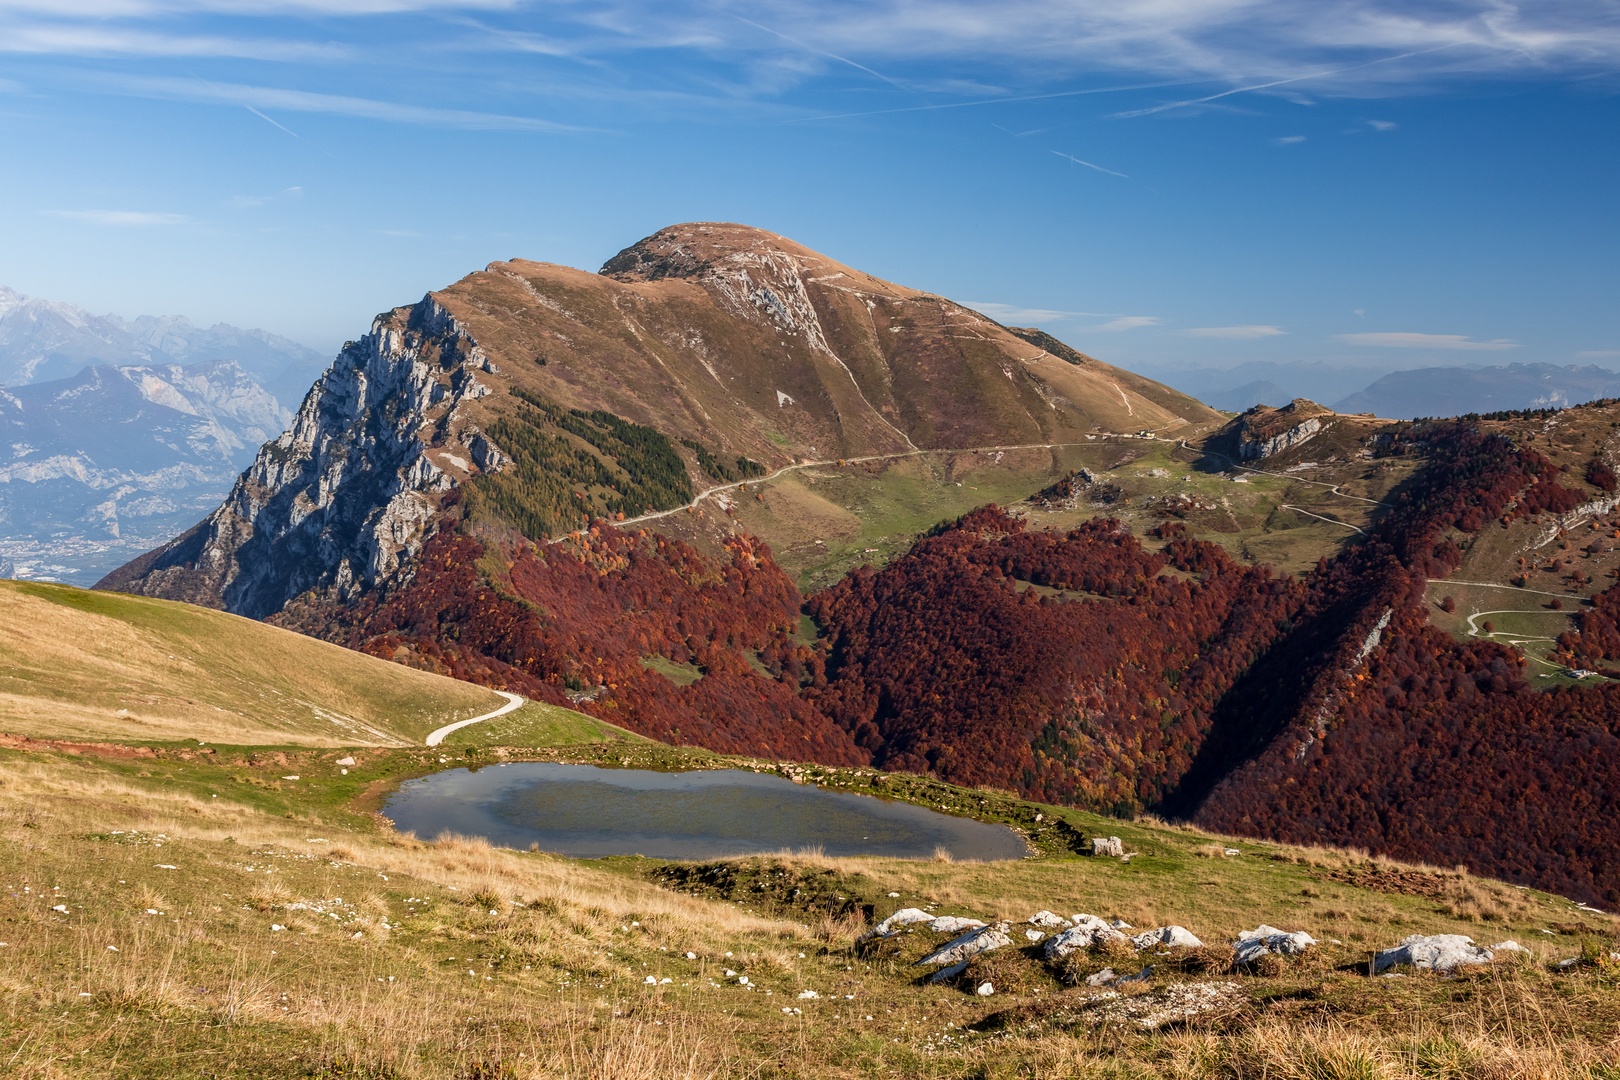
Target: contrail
[1278,82]
[1089,165]
[267,120]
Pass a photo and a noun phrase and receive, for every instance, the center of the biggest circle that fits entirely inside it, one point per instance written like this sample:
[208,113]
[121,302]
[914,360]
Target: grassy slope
[80,664]
[447,957]
[823,521]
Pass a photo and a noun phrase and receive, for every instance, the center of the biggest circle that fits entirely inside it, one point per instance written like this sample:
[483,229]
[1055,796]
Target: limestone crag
[340,501]
[1284,440]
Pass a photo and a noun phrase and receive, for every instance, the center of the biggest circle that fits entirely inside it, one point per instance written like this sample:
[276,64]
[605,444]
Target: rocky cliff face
[1283,440]
[1264,432]
[341,500]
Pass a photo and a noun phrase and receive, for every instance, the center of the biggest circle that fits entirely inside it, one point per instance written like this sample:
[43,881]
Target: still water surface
[589,812]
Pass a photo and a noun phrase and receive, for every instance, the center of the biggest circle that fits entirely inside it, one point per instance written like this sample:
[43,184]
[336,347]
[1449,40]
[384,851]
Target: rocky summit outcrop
[342,498]
[1264,432]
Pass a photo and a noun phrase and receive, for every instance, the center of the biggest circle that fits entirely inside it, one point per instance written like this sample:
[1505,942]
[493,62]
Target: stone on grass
[944,974]
[986,989]
[1034,935]
[1251,945]
[953,924]
[972,943]
[1048,920]
[1088,931]
[808,995]
[1110,846]
[1437,952]
[1509,946]
[1101,978]
[1167,935]
[903,917]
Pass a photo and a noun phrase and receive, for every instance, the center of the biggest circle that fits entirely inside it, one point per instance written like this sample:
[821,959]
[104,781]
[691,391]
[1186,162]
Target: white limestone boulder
[1047,920]
[1087,932]
[1251,945]
[970,944]
[1444,953]
[1176,936]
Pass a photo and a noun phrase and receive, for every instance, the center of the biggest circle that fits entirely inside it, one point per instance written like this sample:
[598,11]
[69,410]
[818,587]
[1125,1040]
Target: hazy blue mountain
[44,340]
[117,459]
[1264,382]
[1452,391]
[1240,398]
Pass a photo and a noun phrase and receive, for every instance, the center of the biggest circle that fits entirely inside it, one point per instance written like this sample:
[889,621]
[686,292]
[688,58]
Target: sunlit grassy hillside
[94,665]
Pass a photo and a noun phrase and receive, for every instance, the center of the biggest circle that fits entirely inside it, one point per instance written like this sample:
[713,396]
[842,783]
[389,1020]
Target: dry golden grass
[78,664]
[475,961]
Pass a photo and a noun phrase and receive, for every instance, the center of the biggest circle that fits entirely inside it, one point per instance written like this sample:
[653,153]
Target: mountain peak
[691,249]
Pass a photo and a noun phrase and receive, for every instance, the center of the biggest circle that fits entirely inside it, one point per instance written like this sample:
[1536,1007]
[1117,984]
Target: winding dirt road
[512,702]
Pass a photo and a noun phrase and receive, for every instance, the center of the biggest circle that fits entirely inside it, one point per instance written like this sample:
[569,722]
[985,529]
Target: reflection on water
[589,812]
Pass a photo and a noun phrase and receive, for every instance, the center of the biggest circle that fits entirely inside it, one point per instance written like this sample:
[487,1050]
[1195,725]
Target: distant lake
[589,812]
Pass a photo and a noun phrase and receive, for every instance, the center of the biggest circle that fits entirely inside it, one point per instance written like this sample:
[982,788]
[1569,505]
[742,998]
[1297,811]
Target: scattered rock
[1178,936]
[1049,921]
[1438,952]
[808,995]
[1141,976]
[903,917]
[1509,946]
[1088,931]
[1251,945]
[985,989]
[1121,924]
[1110,846]
[1034,935]
[345,760]
[953,924]
[1101,978]
[968,945]
[1180,1001]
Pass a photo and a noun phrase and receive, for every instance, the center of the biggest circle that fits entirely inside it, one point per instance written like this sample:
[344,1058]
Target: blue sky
[1162,183]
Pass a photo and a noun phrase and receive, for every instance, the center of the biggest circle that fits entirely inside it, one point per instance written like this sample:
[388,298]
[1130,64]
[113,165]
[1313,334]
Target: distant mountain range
[115,434]
[45,340]
[1449,391]
[1431,391]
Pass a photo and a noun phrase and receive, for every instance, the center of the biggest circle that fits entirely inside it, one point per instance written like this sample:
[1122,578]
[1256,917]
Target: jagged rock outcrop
[1264,432]
[341,500]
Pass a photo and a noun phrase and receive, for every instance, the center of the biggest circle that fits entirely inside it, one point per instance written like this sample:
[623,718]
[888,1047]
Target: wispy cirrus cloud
[98,40]
[305,101]
[119,217]
[1005,313]
[244,201]
[1428,341]
[1234,333]
[1127,322]
[1277,47]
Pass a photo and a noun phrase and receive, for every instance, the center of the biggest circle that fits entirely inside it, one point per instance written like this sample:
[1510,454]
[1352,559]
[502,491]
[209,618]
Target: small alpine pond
[588,812]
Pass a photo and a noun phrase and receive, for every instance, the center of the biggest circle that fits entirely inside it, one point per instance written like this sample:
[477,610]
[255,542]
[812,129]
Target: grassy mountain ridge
[755,345]
[97,665]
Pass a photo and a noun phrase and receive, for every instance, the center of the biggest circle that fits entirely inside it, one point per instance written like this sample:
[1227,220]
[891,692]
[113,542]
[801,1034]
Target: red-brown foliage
[583,613]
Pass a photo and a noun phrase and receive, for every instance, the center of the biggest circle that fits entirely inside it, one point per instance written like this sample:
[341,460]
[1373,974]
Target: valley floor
[247,914]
